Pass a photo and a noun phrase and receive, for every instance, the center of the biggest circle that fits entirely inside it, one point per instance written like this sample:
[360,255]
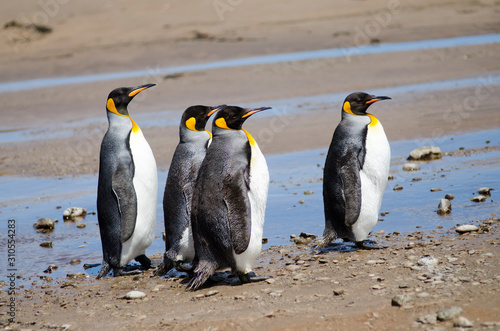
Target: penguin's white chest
[257,194]
[373,180]
[146,188]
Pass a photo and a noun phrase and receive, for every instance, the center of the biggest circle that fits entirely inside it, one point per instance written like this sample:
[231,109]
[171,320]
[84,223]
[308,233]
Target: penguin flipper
[238,212]
[123,188]
[351,187]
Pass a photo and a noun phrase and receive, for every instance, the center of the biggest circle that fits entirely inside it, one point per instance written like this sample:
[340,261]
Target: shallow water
[267,59]
[28,199]
[280,106]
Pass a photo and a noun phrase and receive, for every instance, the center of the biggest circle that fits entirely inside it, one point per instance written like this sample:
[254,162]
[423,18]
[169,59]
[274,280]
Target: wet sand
[88,38]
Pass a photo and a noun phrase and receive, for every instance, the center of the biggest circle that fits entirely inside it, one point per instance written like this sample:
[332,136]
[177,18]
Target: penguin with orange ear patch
[229,200]
[182,174]
[127,187]
[355,173]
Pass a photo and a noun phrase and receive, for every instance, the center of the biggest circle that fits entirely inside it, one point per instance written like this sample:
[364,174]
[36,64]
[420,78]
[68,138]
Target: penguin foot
[251,277]
[364,245]
[105,269]
[144,261]
[202,272]
[117,272]
[164,267]
[325,241]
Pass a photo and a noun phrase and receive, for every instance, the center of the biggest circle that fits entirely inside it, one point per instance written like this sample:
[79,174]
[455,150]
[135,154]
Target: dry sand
[93,37]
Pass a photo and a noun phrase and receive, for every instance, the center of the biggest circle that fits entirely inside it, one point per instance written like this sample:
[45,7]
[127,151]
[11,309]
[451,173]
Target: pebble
[292,267]
[211,293]
[436,189]
[425,153]
[50,268]
[81,226]
[338,291]
[264,240]
[401,300]
[428,319]
[449,196]
[74,261]
[134,295]
[307,235]
[47,244]
[77,275]
[449,313]
[428,261]
[398,188]
[302,202]
[308,192]
[416,179]
[485,191]
[444,207]
[478,198]
[411,167]
[44,223]
[466,228]
[73,212]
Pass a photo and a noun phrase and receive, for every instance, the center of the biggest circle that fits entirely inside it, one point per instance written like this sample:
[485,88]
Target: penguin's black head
[195,117]
[358,102]
[119,98]
[233,117]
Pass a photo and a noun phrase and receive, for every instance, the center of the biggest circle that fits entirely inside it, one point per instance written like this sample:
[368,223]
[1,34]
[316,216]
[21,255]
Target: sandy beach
[55,131]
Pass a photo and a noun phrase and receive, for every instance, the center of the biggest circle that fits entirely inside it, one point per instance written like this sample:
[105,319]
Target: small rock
[485,191]
[264,240]
[378,287]
[466,228]
[428,319]
[436,189]
[478,198]
[77,275]
[302,202]
[428,261]
[411,167]
[307,235]
[338,291]
[416,179]
[74,212]
[44,223]
[211,293]
[270,280]
[462,322]
[292,267]
[50,268]
[308,192]
[401,300]
[444,207]
[449,196]
[425,153]
[134,295]
[397,188]
[449,313]
[81,226]
[74,261]
[47,244]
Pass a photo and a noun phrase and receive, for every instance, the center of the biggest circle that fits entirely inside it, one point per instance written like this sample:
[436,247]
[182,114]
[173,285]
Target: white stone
[466,228]
[135,295]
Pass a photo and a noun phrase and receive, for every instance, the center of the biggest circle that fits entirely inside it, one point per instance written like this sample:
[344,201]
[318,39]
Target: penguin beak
[215,109]
[375,99]
[138,89]
[253,111]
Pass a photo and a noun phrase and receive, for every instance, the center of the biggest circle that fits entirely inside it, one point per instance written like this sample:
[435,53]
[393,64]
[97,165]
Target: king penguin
[355,173]
[229,200]
[127,187]
[182,174]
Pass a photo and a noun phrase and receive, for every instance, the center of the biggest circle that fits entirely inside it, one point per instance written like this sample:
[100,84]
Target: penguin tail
[105,269]
[203,271]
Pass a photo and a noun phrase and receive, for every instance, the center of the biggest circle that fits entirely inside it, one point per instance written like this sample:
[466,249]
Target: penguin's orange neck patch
[221,123]
[374,120]
[110,105]
[210,134]
[191,124]
[135,127]
[347,108]
[251,141]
